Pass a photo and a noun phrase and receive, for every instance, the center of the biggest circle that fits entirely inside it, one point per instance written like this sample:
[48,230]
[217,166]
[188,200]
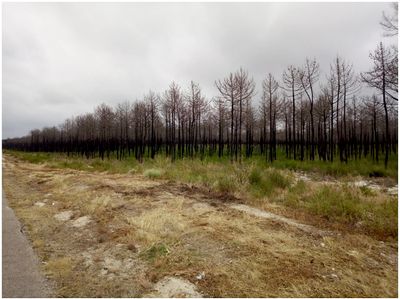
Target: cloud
[63,59]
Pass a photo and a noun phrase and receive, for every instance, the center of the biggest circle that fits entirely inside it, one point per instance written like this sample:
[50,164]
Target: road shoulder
[20,267]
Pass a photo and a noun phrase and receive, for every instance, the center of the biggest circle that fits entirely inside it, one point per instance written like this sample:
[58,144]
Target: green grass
[336,204]
[33,157]
[265,182]
[347,205]
[367,191]
[224,185]
[155,251]
[364,166]
[59,160]
[152,173]
[353,206]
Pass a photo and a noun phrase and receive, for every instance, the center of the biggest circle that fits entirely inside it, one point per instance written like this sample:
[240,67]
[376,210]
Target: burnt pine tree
[381,78]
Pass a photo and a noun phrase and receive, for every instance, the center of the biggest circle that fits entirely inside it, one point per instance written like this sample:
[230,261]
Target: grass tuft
[367,191]
[59,267]
[152,173]
[155,251]
[265,183]
[255,177]
[333,203]
[225,185]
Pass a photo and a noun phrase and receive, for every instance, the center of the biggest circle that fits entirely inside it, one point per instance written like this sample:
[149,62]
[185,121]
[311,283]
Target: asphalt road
[21,274]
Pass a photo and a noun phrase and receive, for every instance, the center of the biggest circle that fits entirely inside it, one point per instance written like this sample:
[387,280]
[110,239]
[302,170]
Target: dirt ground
[114,235]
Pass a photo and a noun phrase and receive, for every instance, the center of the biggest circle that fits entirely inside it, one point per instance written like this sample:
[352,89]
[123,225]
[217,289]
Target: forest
[306,115]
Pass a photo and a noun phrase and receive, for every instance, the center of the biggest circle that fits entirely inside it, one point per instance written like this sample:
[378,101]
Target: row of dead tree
[303,116]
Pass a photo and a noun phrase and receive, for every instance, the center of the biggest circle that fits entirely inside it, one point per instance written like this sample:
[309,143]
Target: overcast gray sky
[61,60]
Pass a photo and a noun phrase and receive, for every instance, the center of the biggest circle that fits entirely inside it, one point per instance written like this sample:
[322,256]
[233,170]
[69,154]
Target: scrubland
[122,229]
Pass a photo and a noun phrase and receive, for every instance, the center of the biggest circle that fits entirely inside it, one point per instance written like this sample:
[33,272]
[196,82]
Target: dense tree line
[302,114]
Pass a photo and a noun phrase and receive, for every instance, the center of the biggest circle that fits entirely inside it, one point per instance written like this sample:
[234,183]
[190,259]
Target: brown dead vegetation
[142,231]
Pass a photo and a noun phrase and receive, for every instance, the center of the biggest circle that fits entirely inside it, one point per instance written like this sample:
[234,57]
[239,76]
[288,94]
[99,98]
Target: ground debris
[200,276]
[331,276]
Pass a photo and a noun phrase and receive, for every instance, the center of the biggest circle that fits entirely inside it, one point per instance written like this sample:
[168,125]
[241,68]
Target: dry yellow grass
[143,230]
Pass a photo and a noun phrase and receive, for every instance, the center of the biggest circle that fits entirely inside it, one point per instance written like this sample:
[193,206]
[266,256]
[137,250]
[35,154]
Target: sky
[63,59]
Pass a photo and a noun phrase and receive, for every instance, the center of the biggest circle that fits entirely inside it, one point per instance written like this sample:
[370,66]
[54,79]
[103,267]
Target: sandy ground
[114,235]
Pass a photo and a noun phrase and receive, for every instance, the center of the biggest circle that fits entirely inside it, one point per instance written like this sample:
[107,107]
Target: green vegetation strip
[259,181]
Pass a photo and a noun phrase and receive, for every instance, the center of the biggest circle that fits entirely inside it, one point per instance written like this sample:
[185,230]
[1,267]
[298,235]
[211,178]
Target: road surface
[21,274]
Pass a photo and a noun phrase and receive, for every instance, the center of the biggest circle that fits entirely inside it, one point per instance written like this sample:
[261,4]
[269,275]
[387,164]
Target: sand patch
[81,221]
[176,287]
[275,217]
[64,216]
